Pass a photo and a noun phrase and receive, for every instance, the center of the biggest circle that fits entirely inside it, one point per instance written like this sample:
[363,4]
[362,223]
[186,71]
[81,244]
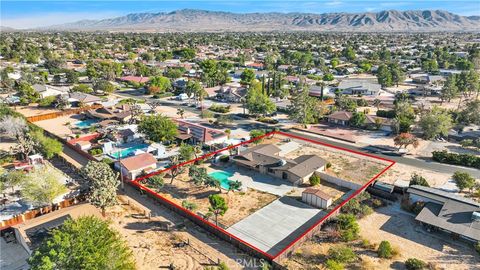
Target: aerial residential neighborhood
[211,138]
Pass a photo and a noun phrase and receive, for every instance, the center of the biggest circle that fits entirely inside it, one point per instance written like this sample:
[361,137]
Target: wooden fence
[31,214]
[54,115]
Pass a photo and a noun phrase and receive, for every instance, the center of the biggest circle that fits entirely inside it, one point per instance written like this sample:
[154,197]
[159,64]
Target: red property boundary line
[197,217]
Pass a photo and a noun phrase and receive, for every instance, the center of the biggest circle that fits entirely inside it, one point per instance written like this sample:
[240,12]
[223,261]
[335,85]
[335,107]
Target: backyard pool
[129,151]
[223,178]
[86,123]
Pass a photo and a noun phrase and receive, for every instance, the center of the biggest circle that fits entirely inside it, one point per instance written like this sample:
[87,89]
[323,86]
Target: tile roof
[138,162]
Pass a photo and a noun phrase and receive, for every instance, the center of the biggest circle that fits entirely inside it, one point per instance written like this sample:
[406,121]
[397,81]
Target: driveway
[276,225]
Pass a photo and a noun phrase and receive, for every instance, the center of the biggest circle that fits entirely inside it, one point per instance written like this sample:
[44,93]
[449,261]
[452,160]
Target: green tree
[218,206]
[159,84]
[358,119]
[103,184]
[385,250]
[258,103]
[42,186]
[104,86]
[349,53]
[303,108]
[158,128]
[11,179]
[85,243]
[314,179]
[334,265]
[255,133]
[449,90]
[463,180]
[186,151]
[435,122]
[328,77]
[247,76]
[417,179]
[384,76]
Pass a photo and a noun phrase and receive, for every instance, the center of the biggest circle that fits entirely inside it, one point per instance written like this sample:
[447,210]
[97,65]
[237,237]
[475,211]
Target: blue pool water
[86,123]
[126,152]
[223,178]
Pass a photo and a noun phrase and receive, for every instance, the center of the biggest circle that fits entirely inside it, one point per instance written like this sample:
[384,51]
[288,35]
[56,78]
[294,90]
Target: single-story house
[120,113]
[134,79]
[447,212]
[134,166]
[45,90]
[265,158]
[317,198]
[367,87]
[340,118]
[77,98]
[83,145]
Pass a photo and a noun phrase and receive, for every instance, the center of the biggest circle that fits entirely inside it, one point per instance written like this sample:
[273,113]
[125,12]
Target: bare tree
[13,127]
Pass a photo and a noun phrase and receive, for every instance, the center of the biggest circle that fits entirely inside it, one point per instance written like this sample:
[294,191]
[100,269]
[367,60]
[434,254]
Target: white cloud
[53,18]
[334,3]
[370,9]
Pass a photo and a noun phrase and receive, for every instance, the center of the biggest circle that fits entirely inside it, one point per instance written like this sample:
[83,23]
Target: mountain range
[189,20]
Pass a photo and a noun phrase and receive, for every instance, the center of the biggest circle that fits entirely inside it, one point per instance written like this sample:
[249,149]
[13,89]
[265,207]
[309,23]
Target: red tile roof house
[135,79]
[200,134]
[133,167]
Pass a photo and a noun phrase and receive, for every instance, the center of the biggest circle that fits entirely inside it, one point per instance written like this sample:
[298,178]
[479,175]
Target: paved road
[248,124]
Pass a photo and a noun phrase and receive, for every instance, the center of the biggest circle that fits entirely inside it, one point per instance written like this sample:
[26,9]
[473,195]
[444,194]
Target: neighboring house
[265,159]
[254,65]
[339,118]
[231,93]
[134,166]
[121,113]
[78,98]
[83,145]
[446,212]
[31,233]
[199,134]
[317,198]
[45,90]
[371,122]
[134,79]
[124,136]
[366,87]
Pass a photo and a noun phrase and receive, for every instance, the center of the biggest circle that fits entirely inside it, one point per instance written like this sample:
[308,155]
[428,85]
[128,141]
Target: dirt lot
[33,110]
[407,238]
[154,247]
[240,204]
[404,172]
[355,168]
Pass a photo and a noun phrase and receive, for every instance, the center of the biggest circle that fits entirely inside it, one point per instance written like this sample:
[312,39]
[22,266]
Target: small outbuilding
[317,198]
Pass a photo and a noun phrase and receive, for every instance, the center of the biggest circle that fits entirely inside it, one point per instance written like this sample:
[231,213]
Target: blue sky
[28,14]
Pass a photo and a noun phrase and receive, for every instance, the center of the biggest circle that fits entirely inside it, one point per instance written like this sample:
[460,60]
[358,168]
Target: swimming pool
[223,178]
[129,151]
[86,123]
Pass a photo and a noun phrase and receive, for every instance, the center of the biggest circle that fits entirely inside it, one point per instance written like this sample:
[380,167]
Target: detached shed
[317,198]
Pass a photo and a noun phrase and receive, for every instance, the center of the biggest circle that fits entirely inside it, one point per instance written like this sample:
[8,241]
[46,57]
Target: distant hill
[188,20]
[7,29]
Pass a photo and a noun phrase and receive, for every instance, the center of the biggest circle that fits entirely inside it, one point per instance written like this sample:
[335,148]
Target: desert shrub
[377,203]
[155,181]
[341,254]
[417,179]
[108,161]
[417,207]
[267,120]
[329,165]
[385,250]
[47,101]
[477,247]
[162,95]
[95,151]
[206,114]
[219,108]
[386,114]
[333,265]
[224,158]
[314,179]
[348,227]
[415,264]
[189,205]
